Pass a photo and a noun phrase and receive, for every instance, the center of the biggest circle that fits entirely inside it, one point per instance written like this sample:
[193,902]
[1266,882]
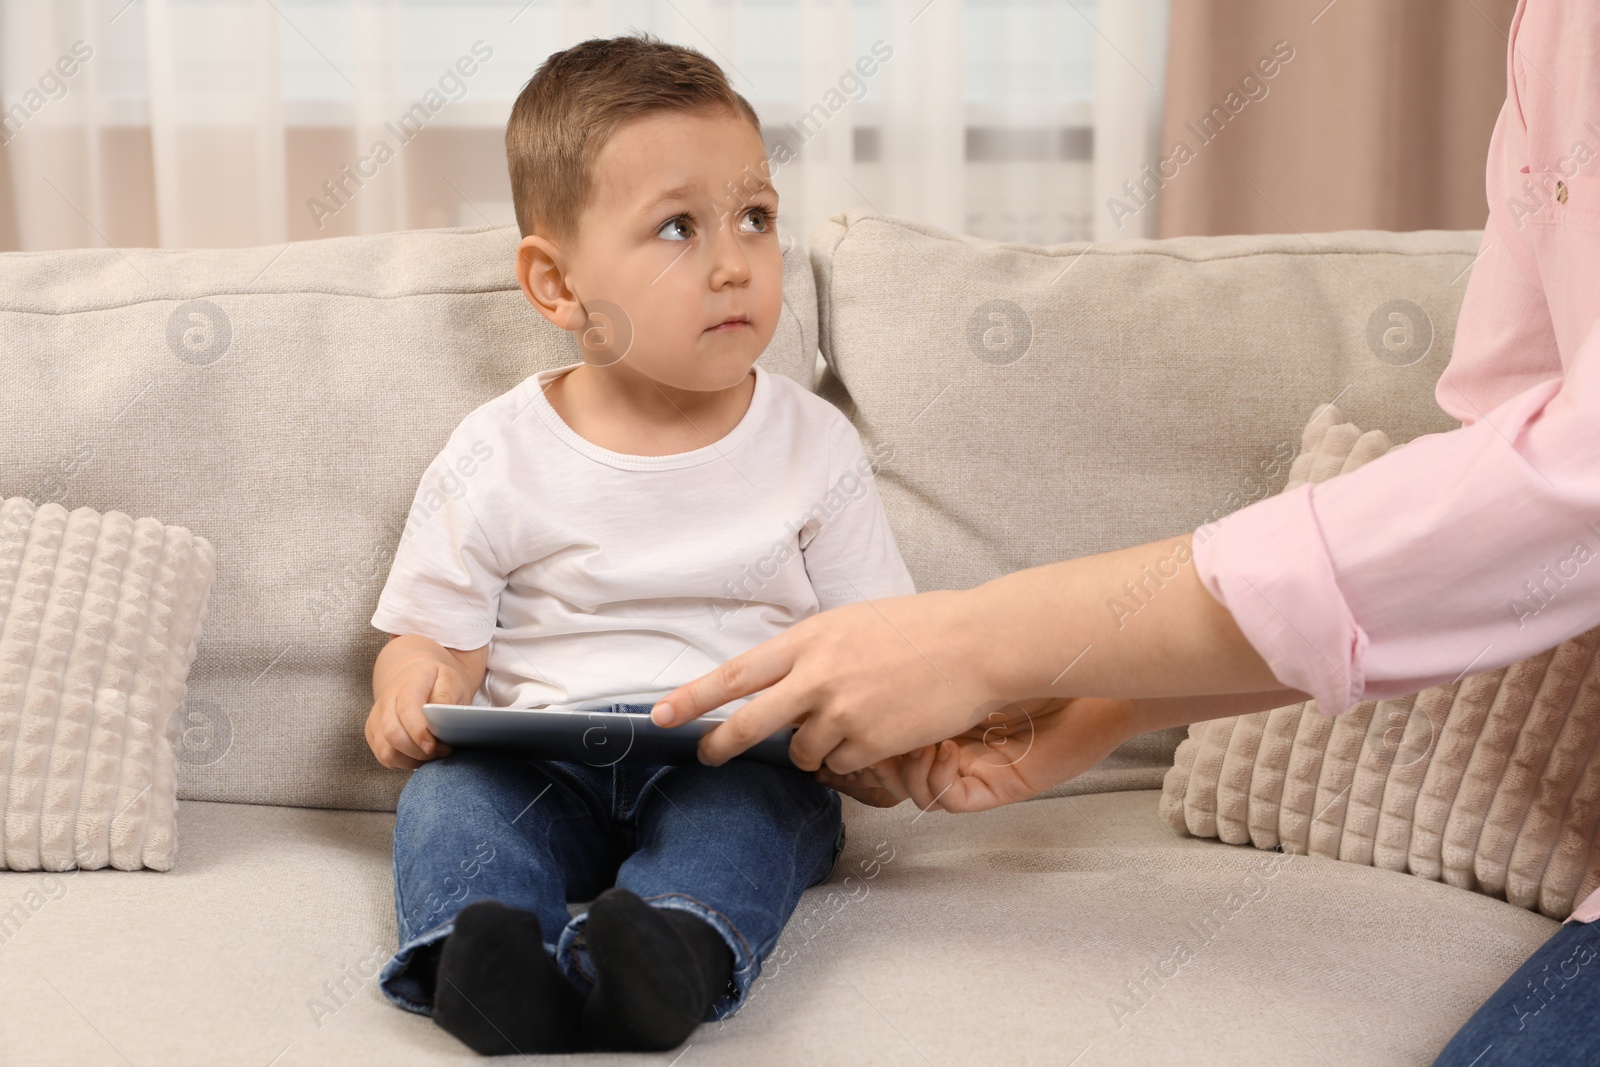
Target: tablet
[597,738]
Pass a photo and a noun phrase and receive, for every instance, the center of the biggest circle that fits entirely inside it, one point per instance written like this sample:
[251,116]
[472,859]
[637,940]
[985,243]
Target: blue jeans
[735,845]
[1547,1014]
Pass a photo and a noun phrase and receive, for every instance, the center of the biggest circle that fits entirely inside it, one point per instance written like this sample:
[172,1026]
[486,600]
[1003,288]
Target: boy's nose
[729,264]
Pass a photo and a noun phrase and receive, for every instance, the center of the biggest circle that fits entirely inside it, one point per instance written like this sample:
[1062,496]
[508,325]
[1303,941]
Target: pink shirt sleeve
[1455,554]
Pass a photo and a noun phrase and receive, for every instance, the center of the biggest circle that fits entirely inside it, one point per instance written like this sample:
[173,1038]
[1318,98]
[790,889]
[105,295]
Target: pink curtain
[1305,115]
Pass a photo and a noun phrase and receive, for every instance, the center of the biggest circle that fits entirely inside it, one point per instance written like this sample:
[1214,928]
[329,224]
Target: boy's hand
[1016,753]
[397,731]
[869,784]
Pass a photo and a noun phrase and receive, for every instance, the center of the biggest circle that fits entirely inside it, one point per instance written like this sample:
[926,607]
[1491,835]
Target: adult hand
[879,678]
[865,681]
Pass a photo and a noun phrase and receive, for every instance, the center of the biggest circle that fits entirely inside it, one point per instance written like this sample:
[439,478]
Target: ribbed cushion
[1491,783]
[102,616]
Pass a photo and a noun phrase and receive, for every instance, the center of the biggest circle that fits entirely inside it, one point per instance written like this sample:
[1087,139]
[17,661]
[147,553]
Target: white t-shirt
[596,577]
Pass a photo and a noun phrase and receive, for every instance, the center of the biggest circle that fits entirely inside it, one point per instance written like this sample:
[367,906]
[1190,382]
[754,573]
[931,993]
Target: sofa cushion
[282,403]
[1039,403]
[1489,783]
[1024,935]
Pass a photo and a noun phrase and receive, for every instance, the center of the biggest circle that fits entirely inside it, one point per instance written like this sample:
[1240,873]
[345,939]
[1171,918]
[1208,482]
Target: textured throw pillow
[1491,783]
[99,618]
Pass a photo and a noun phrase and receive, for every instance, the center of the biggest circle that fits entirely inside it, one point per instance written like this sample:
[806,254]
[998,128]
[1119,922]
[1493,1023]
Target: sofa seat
[1043,933]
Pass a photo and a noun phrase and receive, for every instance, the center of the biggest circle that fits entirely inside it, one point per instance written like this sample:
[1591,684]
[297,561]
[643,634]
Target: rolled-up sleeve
[1454,554]
[1269,566]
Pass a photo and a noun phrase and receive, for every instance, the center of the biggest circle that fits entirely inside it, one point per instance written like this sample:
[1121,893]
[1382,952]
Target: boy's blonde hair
[578,98]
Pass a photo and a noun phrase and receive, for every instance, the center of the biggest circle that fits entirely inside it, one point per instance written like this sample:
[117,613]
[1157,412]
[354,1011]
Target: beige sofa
[1037,404]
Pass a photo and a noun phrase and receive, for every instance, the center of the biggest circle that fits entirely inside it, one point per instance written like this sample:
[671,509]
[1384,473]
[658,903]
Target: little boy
[592,539]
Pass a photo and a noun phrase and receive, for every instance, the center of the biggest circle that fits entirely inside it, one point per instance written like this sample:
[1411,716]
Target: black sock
[498,991]
[657,971]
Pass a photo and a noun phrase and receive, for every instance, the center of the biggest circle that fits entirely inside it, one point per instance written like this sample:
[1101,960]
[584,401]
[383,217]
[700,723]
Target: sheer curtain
[178,123]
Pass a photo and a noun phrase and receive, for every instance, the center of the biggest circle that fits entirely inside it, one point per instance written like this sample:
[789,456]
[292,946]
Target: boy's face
[679,237]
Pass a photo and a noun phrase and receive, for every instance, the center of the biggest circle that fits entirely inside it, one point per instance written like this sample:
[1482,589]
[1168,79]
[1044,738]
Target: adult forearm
[1135,622]
[879,678]
[1159,713]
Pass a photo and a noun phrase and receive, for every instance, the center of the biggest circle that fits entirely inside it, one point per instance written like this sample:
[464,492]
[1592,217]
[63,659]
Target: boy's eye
[763,218]
[676,229]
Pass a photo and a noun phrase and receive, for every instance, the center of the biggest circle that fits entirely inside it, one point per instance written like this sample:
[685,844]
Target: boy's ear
[541,272]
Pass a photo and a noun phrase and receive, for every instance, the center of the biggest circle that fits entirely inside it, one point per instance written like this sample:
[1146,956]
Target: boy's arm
[412,671]
[440,598]
[404,649]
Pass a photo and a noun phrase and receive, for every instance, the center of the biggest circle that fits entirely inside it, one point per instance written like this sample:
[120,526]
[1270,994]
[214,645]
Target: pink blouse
[1461,552]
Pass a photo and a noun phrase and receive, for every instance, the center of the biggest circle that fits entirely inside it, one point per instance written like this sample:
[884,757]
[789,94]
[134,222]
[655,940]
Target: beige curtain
[1314,116]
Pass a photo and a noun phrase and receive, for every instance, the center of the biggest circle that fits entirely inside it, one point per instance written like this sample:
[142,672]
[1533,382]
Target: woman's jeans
[1546,1014]
[735,845]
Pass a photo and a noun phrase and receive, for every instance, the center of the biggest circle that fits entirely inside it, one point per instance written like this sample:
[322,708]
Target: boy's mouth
[733,323]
